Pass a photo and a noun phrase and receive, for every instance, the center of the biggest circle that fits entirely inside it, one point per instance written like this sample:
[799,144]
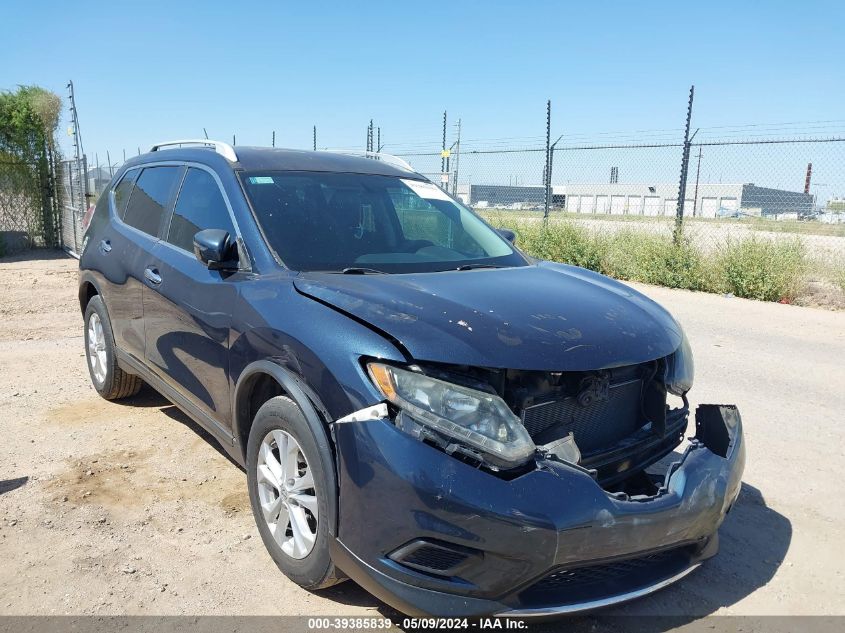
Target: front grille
[595,426]
[591,582]
[582,576]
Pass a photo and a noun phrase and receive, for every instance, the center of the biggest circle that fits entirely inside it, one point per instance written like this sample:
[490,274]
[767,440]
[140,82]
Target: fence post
[547,180]
[682,186]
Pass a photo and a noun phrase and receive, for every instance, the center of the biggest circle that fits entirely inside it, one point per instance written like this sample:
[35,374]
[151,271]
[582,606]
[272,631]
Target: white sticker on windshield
[426,190]
[261,180]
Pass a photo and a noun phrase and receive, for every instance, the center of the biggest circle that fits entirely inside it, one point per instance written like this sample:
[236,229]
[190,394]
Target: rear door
[139,201]
[188,307]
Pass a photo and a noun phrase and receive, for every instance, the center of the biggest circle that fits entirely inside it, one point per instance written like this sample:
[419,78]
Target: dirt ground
[130,509]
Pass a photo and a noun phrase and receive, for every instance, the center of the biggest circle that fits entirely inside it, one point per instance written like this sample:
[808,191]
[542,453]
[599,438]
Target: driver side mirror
[213,248]
[509,235]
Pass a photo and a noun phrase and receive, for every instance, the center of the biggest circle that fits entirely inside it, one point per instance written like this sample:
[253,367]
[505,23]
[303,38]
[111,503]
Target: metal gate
[74,197]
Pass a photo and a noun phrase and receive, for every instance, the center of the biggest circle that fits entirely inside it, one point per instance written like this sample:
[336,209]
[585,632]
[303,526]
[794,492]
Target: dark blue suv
[419,406]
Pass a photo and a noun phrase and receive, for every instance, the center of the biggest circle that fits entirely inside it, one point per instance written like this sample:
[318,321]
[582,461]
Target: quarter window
[122,191]
[200,206]
[150,197]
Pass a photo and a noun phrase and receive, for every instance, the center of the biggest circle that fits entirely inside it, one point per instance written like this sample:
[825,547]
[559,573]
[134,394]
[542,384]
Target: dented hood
[543,317]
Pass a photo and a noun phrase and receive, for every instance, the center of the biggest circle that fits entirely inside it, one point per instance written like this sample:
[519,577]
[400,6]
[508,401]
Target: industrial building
[706,200]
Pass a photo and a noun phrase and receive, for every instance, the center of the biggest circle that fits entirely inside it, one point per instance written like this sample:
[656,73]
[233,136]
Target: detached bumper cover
[548,542]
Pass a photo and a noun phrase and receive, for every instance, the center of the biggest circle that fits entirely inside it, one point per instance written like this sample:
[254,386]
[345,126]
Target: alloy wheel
[287,494]
[97,348]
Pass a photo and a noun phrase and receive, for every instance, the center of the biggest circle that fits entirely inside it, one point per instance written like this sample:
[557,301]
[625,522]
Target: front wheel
[290,476]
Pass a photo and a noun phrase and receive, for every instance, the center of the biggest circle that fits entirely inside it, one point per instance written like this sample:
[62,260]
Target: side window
[200,206]
[150,196]
[122,191]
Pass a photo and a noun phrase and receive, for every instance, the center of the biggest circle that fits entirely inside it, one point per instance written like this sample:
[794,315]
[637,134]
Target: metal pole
[546,171]
[315,138]
[204,132]
[457,160]
[111,169]
[697,174]
[234,140]
[443,151]
[378,143]
[682,186]
[274,138]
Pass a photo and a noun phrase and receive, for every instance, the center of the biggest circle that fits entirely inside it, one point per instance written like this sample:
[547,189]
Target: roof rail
[224,149]
[387,158]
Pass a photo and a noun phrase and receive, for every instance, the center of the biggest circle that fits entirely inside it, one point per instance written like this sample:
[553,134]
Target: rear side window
[152,192]
[200,206]
[122,191]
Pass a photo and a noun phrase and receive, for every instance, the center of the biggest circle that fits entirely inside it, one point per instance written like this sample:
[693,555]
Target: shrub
[754,267]
[655,259]
[757,268]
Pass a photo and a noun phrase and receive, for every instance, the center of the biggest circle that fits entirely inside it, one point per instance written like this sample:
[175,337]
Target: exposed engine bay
[613,423]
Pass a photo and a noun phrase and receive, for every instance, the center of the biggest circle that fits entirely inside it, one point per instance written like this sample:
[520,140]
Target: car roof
[278,159]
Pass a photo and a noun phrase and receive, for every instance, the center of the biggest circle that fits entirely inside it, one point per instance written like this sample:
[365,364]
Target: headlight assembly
[680,369]
[480,420]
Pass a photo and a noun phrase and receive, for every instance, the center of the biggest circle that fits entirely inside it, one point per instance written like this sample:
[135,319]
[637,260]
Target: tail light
[86,219]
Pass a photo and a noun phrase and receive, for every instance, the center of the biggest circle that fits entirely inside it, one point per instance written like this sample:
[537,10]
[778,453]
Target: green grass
[753,267]
[753,223]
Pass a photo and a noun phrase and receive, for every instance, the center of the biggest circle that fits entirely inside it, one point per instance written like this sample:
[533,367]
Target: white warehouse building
[706,200]
[658,199]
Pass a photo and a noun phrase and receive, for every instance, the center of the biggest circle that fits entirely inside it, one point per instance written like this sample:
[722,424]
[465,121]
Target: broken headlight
[680,368]
[479,420]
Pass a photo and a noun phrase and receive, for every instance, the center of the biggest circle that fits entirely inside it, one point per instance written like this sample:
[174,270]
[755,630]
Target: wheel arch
[88,289]
[284,382]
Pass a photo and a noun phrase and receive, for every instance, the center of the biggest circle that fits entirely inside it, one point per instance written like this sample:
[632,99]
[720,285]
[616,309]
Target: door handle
[105,246]
[151,275]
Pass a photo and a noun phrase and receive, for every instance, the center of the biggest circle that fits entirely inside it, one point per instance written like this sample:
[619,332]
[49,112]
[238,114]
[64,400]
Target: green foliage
[763,269]
[655,259]
[29,117]
[754,267]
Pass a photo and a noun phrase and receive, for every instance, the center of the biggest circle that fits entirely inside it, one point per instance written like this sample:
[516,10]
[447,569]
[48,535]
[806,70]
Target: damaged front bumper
[431,535]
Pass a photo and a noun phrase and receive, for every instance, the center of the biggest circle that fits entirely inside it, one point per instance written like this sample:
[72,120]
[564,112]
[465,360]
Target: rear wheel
[289,482]
[110,381]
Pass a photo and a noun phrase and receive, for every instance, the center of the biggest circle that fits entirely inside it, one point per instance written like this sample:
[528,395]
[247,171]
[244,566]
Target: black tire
[315,570]
[117,383]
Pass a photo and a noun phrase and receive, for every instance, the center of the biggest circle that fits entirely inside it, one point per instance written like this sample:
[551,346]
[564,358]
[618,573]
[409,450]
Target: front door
[187,307]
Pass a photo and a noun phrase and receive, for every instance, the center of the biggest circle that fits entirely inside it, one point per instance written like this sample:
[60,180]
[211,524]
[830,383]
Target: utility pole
[457,160]
[274,139]
[682,186]
[443,176]
[378,142]
[315,138]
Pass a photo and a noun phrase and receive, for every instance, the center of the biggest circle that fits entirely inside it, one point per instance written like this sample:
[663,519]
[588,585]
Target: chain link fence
[29,204]
[784,190]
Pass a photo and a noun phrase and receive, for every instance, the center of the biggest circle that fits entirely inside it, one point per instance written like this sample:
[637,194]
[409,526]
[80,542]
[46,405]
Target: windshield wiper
[356,270]
[474,266]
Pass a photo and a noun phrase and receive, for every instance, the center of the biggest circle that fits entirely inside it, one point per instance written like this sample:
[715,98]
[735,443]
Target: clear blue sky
[147,71]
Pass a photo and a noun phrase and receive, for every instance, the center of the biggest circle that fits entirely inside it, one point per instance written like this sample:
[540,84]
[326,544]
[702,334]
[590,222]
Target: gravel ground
[130,508]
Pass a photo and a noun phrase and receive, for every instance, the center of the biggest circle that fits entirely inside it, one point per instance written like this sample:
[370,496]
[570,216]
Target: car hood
[543,317]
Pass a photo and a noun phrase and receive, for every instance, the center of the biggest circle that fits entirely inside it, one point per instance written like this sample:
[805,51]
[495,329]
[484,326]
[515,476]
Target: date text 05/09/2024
[384,624]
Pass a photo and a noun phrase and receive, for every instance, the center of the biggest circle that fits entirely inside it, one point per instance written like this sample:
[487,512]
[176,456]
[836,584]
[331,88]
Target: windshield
[318,221]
